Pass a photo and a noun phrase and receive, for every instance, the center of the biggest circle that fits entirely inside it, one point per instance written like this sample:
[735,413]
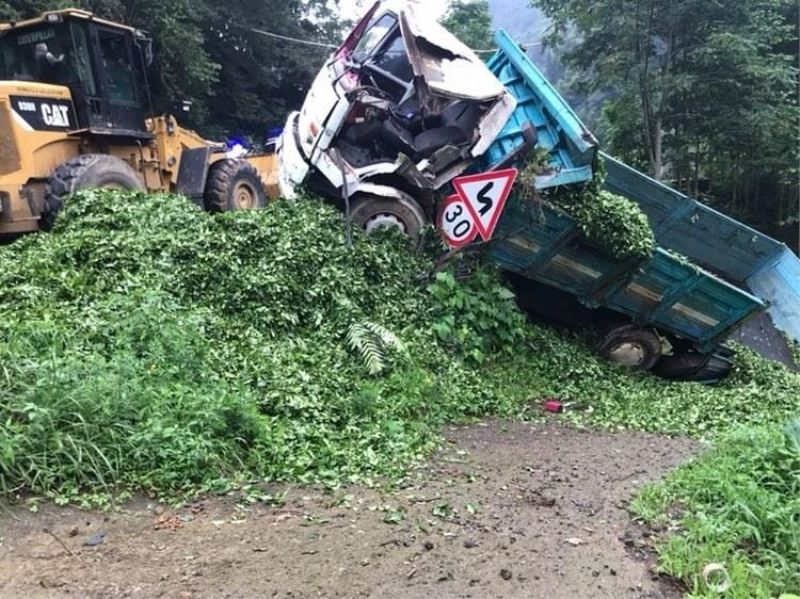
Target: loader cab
[103,65]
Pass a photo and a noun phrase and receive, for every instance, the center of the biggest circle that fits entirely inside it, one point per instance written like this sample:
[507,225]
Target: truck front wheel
[632,346]
[374,212]
[87,171]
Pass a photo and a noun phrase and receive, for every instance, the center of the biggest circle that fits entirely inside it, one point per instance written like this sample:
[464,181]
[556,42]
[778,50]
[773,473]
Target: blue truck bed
[666,292]
[718,242]
[544,244]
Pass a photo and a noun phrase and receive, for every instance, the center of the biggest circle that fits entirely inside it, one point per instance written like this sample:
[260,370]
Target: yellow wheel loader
[75,114]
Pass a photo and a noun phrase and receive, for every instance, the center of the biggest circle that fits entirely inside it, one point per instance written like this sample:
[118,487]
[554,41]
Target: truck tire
[233,185]
[375,212]
[681,366]
[693,366]
[632,346]
[88,171]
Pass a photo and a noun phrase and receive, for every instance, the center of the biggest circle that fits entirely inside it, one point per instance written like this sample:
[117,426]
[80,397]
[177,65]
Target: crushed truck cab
[398,110]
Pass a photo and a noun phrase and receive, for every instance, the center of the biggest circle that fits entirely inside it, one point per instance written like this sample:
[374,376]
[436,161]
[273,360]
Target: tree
[7,12]
[704,94]
[183,69]
[471,22]
[237,80]
[263,78]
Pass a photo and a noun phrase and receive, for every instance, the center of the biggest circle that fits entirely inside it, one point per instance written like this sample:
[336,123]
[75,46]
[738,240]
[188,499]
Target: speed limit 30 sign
[455,223]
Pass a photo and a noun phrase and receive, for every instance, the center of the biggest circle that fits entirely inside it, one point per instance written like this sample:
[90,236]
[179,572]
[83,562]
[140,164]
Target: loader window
[48,54]
[119,77]
[35,54]
[80,61]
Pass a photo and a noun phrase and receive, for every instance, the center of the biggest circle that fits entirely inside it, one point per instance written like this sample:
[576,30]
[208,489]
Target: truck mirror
[148,52]
[145,44]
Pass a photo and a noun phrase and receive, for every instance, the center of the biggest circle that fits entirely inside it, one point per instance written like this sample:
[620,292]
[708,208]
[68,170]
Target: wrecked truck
[402,109]
[399,110]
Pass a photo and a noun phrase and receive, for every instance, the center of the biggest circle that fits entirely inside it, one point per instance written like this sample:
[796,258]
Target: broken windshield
[373,37]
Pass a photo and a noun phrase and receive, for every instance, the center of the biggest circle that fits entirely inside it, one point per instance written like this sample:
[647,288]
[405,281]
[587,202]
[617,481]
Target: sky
[353,9]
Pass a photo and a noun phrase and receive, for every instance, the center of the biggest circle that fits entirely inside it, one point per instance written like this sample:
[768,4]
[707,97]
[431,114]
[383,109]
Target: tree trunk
[658,139]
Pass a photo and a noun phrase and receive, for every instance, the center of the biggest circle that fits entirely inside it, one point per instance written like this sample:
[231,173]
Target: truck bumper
[292,165]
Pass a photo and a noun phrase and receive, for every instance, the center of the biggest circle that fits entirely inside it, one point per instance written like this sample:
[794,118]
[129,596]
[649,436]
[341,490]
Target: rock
[428,545]
[574,541]
[505,574]
[95,539]
[470,543]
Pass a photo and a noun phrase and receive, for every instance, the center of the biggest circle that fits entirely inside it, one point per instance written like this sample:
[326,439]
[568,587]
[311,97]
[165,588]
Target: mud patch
[504,510]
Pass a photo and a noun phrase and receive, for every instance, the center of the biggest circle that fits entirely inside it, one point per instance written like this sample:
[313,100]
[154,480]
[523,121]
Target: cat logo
[56,115]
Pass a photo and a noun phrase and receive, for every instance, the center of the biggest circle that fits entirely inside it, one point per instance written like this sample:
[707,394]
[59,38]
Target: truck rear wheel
[681,366]
[233,185]
[694,366]
[632,347]
[88,171]
[374,212]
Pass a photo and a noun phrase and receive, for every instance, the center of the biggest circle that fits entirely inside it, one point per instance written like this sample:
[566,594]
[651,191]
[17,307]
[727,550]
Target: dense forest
[702,95]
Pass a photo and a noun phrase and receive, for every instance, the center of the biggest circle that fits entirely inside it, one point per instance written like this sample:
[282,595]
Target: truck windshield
[373,37]
[51,53]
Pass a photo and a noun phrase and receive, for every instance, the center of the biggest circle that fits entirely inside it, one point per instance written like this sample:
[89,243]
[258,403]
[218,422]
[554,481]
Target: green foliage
[614,223]
[738,505]
[374,344]
[611,222]
[477,318]
[471,22]
[7,12]
[148,345]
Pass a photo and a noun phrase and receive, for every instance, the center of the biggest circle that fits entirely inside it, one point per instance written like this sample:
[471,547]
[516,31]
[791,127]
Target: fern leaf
[363,340]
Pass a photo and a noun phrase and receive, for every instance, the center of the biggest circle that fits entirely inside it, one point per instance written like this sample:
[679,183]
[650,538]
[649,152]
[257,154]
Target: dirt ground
[504,510]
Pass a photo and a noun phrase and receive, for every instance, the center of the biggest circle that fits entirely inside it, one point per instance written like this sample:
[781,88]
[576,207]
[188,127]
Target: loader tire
[375,212]
[88,171]
[632,347]
[233,185]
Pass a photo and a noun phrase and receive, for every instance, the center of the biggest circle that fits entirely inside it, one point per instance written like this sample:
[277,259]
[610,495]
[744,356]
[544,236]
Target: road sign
[485,194]
[455,223]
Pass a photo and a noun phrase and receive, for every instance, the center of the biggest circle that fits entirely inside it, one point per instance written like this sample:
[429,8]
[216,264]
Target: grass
[738,505]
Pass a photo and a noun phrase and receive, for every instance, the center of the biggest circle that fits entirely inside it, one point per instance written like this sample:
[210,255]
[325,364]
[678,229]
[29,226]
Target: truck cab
[400,109]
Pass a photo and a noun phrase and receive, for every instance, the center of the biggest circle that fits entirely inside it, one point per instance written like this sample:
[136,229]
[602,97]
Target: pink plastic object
[553,405]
